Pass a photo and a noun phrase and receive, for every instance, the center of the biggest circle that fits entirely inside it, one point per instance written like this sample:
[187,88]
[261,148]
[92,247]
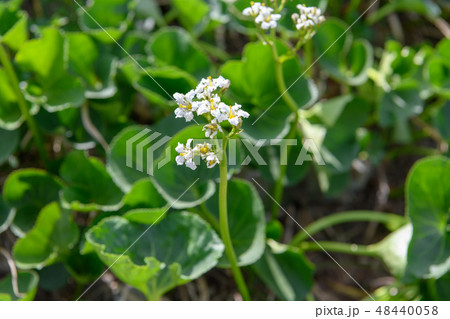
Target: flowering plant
[114,186]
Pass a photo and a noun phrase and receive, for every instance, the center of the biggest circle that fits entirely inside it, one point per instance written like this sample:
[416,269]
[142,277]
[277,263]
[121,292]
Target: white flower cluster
[263,15]
[308,19]
[205,101]
[187,154]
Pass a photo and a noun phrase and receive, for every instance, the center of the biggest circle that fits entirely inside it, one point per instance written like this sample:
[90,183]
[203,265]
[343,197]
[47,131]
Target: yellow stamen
[212,104]
[203,149]
[210,81]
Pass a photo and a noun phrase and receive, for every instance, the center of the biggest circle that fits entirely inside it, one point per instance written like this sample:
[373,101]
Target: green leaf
[428,207]
[441,120]
[272,156]
[13,29]
[143,204]
[112,16]
[397,107]
[393,250]
[191,13]
[89,186]
[27,282]
[333,125]
[6,215]
[28,191]
[150,8]
[246,219]
[10,116]
[53,277]
[345,59]
[97,69]
[9,140]
[174,46]
[286,272]
[51,238]
[123,164]
[427,8]
[179,185]
[437,70]
[51,86]
[253,84]
[84,268]
[179,249]
[159,85]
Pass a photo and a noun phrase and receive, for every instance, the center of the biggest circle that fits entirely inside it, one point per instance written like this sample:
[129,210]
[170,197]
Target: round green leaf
[246,219]
[179,185]
[162,83]
[174,46]
[127,166]
[428,207]
[28,191]
[52,237]
[52,86]
[112,16]
[9,140]
[179,249]
[143,204]
[286,272]
[97,71]
[192,12]
[27,282]
[345,59]
[89,186]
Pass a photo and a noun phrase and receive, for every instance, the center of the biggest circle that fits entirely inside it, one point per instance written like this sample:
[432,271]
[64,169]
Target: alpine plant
[205,100]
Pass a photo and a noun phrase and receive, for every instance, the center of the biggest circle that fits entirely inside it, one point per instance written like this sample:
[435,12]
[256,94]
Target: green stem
[4,59]
[392,220]
[224,228]
[278,188]
[210,218]
[335,247]
[308,56]
[280,80]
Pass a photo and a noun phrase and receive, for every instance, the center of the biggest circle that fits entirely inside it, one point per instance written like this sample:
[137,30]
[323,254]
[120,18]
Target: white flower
[308,19]
[212,128]
[186,155]
[253,10]
[236,115]
[211,160]
[266,18]
[186,105]
[262,14]
[207,106]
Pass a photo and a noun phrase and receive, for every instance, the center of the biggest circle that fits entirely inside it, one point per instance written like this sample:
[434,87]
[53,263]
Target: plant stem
[224,229]
[279,183]
[345,248]
[392,220]
[90,127]
[210,218]
[308,56]
[278,188]
[280,80]
[4,59]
